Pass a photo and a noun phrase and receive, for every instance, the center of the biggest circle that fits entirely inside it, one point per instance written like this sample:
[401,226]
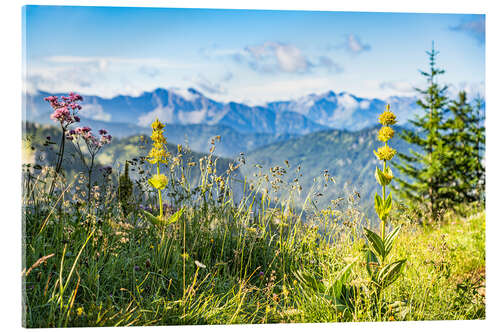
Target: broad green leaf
[375,242]
[372,263]
[310,281]
[163,222]
[175,217]
[337,303]
[388,274]
[151,218]
[378,176]
[341,280]
[388,204]
[390,238]
[383,177]
[378,205]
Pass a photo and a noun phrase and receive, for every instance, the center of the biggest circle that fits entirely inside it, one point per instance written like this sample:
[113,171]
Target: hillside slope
[348,157]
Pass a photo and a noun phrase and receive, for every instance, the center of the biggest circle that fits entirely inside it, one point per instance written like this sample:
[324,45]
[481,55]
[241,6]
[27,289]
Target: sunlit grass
[222,258]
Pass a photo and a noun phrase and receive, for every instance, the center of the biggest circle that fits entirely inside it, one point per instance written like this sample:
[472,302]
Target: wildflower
[385,133]
[159,181]
[385,153]
[155,155]
[388,174]
[65,109]
[93,145]
[387,117]
[199,264]
[79,311]
[157,125]
[384,176]
[158,154]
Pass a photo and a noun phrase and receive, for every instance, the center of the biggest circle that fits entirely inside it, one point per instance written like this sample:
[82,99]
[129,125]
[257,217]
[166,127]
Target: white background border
[11,87]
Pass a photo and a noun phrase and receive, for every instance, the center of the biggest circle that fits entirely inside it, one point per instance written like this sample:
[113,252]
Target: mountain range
[190,107]
[194,118]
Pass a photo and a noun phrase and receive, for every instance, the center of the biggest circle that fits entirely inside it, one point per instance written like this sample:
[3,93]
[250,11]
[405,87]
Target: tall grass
[228,258]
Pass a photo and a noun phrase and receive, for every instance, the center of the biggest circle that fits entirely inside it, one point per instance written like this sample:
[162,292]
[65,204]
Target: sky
[249,56]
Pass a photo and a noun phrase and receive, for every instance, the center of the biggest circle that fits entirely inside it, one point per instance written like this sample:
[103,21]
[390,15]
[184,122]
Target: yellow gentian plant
[158,154]
[379,246]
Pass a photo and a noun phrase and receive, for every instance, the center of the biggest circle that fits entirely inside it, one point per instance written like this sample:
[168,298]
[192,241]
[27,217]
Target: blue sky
[246,55]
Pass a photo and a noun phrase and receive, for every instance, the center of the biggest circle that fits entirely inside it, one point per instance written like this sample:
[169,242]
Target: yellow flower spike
[157,137]
[385,153]
[159,181]
[387,117]
[385,133]
[157,125]
[158,154]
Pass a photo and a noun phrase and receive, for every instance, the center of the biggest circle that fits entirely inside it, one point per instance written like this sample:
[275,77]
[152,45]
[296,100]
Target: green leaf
[383,177]
[375,242]
[175,217]
[337,303]
[163,222]
[151,218]
[341,280]
[379,176]
[310,281]
[388,204]
[390,238]
[378,205]
[372,263]
[388,274]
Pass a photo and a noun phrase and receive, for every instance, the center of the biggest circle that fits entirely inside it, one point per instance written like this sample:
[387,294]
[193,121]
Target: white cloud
[94,111]
[275,57]
[353,44]
[209,86]
[364,105]
[163,114]
[475,28]
[102,76]
[473,89]
[398,87]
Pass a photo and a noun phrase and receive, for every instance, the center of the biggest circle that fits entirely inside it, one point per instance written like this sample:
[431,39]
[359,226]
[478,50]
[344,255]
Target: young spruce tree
[464,136]
[479,142]
[423,168]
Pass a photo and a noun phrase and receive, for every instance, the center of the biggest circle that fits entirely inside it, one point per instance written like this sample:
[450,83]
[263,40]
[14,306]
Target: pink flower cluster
[65,109]
[93,142]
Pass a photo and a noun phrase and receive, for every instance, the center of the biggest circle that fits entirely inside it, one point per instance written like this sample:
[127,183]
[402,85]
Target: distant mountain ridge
[345,110]
[308,114]
[177,107]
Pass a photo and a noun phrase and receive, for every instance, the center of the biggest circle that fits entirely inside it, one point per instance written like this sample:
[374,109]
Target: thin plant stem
[59,159]
[159,191]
